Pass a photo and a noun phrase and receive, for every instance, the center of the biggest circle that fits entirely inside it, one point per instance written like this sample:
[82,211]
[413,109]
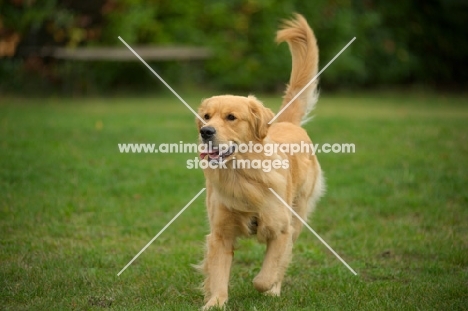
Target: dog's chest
[243,190]
[242,198]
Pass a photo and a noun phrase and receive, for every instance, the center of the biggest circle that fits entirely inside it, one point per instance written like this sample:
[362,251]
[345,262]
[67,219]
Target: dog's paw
[274,291]
[263,283]
[215,303]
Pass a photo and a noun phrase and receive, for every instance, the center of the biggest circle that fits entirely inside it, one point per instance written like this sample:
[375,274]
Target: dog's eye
[231,117]
[206,116]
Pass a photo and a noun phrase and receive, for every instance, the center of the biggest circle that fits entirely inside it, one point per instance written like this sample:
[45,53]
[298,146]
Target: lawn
[74,211]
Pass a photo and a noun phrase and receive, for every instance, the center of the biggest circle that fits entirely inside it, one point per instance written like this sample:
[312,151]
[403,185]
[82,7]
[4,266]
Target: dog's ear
[261,117]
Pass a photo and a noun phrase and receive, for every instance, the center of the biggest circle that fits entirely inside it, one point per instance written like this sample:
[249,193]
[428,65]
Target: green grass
[74,211]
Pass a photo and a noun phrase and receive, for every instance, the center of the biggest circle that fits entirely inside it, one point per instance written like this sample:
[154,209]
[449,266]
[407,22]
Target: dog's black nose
[207,132]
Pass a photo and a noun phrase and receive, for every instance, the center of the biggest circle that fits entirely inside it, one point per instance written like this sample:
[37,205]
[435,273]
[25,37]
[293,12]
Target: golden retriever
[239,201]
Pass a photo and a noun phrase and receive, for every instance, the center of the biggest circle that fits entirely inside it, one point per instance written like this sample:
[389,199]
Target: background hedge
[398,42]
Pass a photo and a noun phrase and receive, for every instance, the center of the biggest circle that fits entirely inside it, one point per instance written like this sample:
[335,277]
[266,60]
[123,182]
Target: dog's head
[230,121]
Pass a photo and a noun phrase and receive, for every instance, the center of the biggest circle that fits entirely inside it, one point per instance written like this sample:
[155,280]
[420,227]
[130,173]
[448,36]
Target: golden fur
[239,202]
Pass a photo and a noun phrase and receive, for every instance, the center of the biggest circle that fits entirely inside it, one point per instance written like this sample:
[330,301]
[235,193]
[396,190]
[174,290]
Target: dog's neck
[241,183]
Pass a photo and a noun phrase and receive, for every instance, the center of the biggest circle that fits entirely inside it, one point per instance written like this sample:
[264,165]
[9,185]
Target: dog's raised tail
[303,46]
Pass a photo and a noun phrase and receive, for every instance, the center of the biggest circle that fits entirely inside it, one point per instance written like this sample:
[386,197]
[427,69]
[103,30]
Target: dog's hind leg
[306,201]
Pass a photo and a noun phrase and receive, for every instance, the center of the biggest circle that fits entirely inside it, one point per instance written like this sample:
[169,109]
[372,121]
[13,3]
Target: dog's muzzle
[217,153]
[207,133]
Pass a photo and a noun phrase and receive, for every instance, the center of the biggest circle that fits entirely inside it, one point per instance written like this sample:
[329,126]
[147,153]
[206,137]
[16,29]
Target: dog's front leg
[217,267]
[218,258]
[278,234]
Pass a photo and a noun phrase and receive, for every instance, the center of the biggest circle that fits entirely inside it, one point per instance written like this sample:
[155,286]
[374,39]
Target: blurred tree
[431,36]
[397,42]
